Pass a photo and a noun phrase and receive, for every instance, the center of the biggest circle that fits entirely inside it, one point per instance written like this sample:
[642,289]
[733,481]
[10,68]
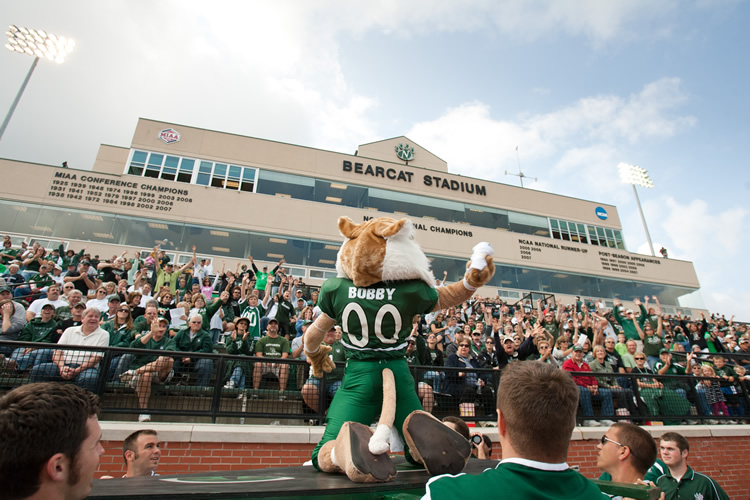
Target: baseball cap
[85,263]
[48,305]
[80,305]
[577,348]
[274,320]
[744,340]
[411,341]
[163,320]
[113,298]
[507,338]
[243,319]
[665,351]
[4,288]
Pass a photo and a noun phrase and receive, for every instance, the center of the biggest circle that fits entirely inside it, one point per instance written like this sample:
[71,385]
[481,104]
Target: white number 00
[386,309]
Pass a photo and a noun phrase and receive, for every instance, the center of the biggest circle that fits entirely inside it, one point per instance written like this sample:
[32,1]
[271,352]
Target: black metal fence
[471,394]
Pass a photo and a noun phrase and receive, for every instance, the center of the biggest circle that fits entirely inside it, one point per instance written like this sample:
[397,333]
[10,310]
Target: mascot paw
[320,361]
[439,448]
[355,459]
[481,267]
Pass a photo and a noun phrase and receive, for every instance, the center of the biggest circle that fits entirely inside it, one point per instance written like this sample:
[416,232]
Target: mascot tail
[380,440]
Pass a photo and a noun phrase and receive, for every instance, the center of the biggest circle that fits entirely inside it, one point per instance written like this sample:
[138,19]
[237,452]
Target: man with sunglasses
[626,452]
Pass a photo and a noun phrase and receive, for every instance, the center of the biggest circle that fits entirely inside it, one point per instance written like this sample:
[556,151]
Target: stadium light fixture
[635,175]
[38,44]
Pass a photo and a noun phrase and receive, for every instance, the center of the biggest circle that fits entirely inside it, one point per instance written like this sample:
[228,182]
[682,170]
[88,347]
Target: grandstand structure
[235,196]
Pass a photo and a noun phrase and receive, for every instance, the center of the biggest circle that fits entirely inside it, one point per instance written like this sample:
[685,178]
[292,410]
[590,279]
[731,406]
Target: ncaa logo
[601,213]
[169,135]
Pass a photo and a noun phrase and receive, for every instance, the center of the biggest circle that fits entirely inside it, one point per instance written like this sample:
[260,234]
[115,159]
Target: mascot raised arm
[384,280]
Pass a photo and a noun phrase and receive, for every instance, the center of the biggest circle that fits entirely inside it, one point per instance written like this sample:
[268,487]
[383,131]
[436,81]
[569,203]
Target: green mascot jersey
[376,320]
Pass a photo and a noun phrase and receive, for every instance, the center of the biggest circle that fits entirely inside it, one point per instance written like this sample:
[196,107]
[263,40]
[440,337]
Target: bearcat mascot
[384,280]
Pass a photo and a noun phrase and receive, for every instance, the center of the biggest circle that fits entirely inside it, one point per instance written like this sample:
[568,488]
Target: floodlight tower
[38,44]
[635,175]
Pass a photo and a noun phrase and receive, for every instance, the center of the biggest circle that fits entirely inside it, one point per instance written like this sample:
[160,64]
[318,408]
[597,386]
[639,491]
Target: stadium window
[186,170]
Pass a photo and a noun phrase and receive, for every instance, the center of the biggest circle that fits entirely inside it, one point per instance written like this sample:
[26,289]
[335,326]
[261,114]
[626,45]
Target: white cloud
[589,136]
[520,19]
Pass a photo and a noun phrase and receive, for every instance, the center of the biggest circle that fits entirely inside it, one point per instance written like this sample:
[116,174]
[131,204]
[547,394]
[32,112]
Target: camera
[476,439]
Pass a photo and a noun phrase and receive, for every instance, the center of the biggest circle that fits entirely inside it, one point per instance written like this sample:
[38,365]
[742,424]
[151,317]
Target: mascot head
[381,249]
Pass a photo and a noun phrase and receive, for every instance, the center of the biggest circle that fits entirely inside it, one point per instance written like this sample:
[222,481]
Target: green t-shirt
[12,252]
[141,326]
[376,320]
[63,313]
[513,480]
[272,347]
[652,344]
[261,279]
[152,345]
[41,280]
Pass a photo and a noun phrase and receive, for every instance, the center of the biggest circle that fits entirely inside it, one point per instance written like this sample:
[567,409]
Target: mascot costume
[384,280]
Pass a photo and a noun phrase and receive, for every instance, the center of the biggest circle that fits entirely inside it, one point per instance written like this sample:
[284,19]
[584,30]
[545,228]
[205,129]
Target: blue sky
[578,86]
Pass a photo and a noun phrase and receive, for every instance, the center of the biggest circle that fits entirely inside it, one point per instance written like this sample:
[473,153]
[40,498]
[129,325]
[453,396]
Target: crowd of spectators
[148,302]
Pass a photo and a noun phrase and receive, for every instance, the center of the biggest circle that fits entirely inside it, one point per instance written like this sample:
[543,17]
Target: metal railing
[181,398]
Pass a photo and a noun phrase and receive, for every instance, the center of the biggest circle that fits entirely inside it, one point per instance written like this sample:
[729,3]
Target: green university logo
[405,152]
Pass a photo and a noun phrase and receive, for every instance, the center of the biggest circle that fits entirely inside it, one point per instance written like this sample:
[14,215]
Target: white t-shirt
[36,306]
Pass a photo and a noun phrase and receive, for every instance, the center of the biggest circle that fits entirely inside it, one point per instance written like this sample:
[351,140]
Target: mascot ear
[347,227]
[389,227]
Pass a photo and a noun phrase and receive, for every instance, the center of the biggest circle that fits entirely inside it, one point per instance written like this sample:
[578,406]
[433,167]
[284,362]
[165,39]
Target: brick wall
[721,457]
[181,457]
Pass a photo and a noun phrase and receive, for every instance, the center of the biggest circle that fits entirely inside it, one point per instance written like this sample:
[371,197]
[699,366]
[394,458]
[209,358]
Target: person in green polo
[534,440]
[679,480]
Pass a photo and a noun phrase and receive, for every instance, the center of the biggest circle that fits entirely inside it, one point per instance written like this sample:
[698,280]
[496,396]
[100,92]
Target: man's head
[151,312]
[744,343]
[90,318]
[161,329]
[577,354]
[74,297]
[631,346]
[626,445]
[51,440]
[53,292]
[47,312]
[609,344]
[532,398]
[196,321]
[141,452]
[272,329]
[674,449]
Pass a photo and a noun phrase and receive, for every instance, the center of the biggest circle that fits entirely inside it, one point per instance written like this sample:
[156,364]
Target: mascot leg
[361,454]
[440,449]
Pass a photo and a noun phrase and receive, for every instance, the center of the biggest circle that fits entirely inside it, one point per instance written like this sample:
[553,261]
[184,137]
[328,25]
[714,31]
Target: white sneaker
[711,421]
[126,376]
[606,423]
[591,423]
[144,417]
[229,385]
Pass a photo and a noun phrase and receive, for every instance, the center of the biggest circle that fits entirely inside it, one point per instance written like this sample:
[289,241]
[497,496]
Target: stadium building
[236,196]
